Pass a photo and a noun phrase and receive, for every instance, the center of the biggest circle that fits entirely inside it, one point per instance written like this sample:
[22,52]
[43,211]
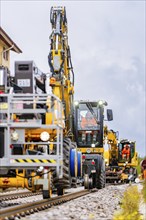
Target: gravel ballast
[97,205]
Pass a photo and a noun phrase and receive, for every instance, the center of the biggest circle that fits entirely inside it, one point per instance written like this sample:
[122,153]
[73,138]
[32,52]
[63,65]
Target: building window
[5,54]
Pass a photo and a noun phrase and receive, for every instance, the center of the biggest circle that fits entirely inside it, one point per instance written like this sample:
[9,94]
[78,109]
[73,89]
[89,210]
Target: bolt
[43,207]
[18,215]
[35,209]
[31,211]
[46,206]
[11,217]
[27,212]
[39,208]
[22,214]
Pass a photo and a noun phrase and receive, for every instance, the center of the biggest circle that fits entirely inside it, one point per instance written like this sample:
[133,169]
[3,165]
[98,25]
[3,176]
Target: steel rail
[11,196]
[29,208]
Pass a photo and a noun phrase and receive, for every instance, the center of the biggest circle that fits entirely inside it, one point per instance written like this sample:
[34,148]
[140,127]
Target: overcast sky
[107,41]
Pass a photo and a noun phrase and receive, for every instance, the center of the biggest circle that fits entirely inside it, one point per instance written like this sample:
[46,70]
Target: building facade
[6,45]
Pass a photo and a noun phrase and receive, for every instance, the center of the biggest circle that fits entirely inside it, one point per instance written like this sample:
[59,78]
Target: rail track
[29,208]
[11,196]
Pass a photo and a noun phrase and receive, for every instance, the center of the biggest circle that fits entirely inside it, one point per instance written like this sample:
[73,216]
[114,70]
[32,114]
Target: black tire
[64,182]
[88,182]
[100,173]
[74,182]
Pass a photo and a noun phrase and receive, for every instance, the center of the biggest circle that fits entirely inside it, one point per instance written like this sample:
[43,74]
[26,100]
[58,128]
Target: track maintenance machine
[128,159]
[121,159]
[37,146]
[90,133]
[113,172]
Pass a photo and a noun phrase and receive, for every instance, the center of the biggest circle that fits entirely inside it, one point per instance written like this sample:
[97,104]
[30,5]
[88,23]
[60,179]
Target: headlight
[44,136]
[100,102]
[76,103]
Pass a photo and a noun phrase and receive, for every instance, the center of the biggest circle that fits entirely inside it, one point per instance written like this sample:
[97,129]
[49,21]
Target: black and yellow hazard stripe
[34,161]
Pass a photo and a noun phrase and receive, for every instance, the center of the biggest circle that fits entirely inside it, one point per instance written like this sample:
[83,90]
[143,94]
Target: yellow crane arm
[59,58]
[112,141]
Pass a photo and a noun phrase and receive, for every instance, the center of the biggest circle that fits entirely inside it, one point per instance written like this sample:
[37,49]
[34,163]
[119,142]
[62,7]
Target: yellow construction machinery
[121,159]
[43,136]
[113,172]
[128,161]
[37,148]
[89,134]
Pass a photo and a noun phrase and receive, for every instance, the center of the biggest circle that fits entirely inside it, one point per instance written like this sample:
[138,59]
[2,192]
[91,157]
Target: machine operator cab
[126,151]
[89,122]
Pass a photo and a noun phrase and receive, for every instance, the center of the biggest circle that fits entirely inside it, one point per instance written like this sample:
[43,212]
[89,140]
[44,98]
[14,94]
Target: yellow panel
[3,106]
[45,161]
[21,160]
[53,161]
[37,161]
[48,118]
[93,150]
[29,161]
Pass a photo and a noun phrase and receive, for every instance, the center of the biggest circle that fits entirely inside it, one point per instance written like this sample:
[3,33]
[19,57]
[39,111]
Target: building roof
[8,41]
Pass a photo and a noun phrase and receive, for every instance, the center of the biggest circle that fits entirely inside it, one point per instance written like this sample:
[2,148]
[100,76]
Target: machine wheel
[100,178]
[74,182]
[64,182]
[88,182]
[132,175]
[71,161]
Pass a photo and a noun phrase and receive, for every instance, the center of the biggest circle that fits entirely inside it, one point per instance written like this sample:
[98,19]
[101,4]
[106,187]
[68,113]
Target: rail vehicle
[90,131]
[37,146]
[121,159]
[130,163]
[113,171]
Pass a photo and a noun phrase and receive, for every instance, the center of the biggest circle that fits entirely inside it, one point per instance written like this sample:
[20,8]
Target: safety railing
[23,119]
